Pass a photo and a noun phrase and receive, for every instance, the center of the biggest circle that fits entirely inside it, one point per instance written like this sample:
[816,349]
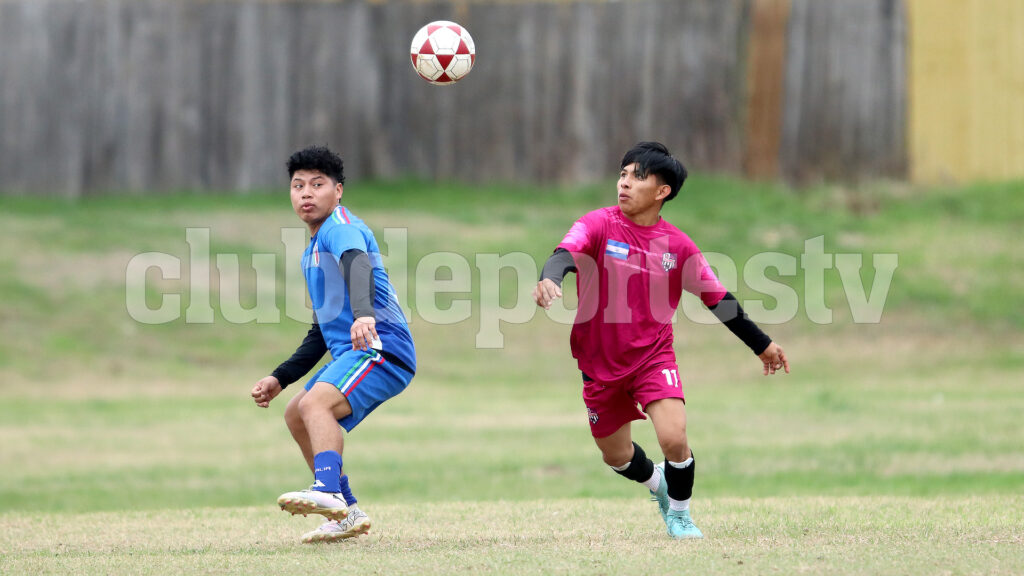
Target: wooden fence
[967,86]
[101,95]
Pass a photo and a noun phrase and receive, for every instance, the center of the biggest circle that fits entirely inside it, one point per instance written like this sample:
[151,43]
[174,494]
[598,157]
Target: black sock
[640,467]
[680,480]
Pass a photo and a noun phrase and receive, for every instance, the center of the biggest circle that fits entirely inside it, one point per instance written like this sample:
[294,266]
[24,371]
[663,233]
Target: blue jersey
[343,231]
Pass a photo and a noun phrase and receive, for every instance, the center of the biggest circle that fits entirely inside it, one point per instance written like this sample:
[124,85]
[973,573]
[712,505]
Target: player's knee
[307,407]
[674,446]
[614,460]
[292,418]
[615,457]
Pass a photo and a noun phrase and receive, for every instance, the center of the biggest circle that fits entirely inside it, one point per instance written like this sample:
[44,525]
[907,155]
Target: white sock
[678,504]
[620,468]
[654,481]
[681,465]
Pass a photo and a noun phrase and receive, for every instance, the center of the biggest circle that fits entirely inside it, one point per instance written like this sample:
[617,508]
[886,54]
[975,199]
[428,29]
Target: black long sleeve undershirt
[730,313]
[305,357]
[357,272]
[558,265]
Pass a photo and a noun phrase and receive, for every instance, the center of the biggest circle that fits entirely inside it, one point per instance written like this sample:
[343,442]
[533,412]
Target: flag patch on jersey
[616,249]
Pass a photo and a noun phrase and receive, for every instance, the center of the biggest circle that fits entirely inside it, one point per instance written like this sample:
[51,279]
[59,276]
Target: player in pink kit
[631,268]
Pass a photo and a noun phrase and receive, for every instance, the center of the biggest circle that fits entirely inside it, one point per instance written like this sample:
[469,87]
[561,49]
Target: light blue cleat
[661,495]
[680,526]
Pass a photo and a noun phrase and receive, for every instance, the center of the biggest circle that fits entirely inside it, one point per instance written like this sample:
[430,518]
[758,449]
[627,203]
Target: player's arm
[730,313]
[549,288]
[357,272]
[302,361]
[306,356]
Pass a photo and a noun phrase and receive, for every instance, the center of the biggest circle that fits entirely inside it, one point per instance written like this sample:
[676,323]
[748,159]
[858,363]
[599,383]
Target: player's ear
[663,191]
[339,189]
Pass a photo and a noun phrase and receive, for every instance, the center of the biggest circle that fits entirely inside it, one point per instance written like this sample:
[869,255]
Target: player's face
[314,197]
[640,199]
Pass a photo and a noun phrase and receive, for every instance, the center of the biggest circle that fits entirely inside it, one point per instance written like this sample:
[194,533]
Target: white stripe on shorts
[355,375]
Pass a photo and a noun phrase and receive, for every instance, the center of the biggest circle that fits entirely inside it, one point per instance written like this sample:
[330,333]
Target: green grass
[877,535]
[891,448]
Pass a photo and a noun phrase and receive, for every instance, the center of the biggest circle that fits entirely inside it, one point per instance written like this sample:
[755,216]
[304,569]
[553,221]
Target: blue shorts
[366,379]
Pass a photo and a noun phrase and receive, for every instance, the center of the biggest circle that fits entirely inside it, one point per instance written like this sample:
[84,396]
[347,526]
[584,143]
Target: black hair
[654,158]
[320,159]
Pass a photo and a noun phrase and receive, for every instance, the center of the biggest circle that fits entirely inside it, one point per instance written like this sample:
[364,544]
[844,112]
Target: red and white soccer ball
[443,52]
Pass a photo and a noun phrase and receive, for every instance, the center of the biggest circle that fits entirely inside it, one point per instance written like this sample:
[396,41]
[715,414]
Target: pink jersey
[629,279]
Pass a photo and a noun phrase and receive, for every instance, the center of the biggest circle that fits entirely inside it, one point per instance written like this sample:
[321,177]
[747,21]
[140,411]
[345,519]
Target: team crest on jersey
[668,261]
[316,253]
[592,416]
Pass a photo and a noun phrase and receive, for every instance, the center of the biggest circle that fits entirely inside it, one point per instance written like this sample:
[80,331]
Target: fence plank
[845,95]
[765,69]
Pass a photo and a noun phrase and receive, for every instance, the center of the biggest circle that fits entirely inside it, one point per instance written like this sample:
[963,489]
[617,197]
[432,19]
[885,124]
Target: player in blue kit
[357,318]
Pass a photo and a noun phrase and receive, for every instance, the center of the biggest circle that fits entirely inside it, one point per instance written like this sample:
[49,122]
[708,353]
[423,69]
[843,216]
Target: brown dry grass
[767,536]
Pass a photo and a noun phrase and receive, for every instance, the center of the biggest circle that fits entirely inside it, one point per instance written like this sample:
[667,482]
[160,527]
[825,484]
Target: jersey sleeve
[698,277]
[582,237]
[342,238]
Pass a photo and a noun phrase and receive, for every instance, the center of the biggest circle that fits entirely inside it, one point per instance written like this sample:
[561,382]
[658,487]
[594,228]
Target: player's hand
[774,359]
[364,333]
[266,390]
[546,292]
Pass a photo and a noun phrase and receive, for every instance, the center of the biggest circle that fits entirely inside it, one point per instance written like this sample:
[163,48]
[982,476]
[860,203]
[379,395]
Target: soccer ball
[443,52]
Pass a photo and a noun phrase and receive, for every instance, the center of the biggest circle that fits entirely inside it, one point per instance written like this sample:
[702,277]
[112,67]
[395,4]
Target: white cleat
[328,504]
[355,524]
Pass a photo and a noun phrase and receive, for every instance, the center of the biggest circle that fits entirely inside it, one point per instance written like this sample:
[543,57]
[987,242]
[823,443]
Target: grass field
[893,447]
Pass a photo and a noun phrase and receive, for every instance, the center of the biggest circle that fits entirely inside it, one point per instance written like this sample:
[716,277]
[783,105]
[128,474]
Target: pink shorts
[610,405]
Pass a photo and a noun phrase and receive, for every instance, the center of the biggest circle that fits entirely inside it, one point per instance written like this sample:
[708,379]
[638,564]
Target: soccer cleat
[355,524]
[661,494]
[680,526]
[327,504]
